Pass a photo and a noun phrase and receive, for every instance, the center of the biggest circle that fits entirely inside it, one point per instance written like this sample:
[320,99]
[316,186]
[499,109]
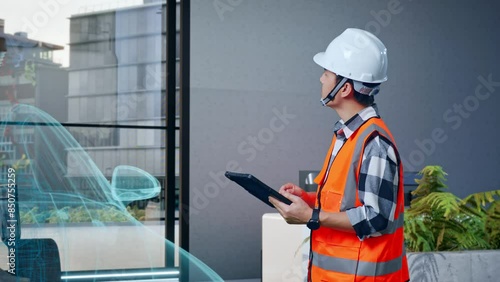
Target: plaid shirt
[378,178]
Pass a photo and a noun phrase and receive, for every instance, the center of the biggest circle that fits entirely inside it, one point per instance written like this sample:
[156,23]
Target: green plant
[440,221]
[79,214]
[136,212]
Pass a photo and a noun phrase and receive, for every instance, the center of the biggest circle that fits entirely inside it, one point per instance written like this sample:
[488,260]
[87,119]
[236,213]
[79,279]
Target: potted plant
[438,222]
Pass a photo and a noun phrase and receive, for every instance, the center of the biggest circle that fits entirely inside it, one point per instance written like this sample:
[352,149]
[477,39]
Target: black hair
[363,99]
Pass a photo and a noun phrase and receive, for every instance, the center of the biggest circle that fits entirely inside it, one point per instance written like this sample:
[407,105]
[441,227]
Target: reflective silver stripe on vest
[349,199]
[354,267]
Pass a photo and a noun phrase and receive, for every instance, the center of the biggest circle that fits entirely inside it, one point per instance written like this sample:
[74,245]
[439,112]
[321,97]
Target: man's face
[328,80]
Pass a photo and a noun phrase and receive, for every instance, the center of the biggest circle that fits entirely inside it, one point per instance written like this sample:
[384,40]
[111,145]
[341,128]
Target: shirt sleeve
[377,189]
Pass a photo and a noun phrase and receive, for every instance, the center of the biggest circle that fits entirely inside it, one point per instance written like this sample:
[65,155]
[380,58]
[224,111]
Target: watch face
[313,225]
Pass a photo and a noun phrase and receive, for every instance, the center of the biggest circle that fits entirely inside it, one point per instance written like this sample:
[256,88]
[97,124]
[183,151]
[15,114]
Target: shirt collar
[346,129]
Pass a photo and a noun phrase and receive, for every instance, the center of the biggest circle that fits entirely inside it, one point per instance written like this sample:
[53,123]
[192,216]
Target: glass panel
[83,92]
[60,191]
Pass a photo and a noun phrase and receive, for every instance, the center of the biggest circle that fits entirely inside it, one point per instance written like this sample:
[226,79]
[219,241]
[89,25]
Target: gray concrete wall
[467,266]
[255,102]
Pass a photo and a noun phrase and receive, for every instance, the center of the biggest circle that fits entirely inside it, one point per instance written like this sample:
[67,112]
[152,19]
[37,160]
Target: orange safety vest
[341,256]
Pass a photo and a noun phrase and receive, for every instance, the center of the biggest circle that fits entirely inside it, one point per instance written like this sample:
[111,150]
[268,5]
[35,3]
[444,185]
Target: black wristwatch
[313,223]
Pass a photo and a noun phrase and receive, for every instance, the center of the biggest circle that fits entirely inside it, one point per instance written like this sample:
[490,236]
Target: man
[356,216]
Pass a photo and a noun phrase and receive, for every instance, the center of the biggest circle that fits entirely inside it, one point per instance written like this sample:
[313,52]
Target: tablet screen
[256,187]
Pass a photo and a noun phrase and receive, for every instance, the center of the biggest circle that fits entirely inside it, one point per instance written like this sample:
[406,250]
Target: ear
[346,90]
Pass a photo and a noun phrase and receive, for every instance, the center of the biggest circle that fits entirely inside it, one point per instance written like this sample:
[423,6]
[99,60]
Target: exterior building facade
[118,62]
[28,75]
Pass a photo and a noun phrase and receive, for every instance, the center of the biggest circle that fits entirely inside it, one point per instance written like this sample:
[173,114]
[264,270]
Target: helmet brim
[321,60]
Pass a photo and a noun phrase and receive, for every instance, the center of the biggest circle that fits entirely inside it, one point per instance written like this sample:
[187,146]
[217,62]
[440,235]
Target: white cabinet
[284,255]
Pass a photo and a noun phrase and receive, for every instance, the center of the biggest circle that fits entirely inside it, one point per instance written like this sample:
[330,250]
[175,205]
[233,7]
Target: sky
[48,20]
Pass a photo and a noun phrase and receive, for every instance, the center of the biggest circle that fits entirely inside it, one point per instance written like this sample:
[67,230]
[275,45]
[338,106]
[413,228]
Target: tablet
[255,187]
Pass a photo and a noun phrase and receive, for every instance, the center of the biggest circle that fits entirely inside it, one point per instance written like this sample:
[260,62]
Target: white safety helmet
[355,54]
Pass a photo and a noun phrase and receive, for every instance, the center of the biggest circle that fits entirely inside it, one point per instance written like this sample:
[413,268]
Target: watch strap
[315,215]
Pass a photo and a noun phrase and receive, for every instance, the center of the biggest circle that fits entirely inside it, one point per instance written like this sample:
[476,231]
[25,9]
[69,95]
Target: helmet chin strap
[332,93]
